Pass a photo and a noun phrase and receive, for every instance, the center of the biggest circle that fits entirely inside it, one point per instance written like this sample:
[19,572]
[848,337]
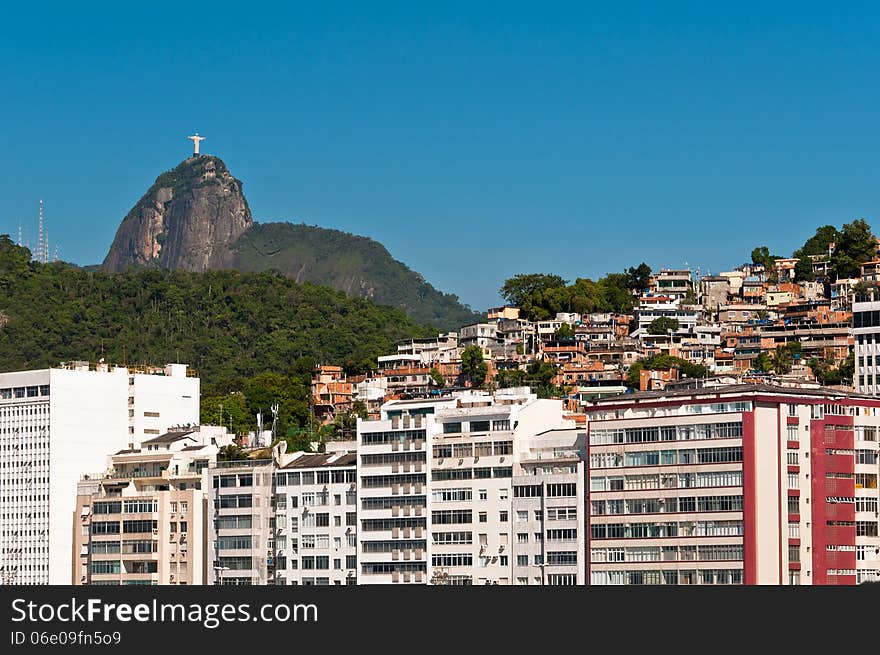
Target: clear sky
[475,140]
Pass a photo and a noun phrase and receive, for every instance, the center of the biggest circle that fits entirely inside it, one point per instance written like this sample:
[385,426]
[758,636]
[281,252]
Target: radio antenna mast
[40,244]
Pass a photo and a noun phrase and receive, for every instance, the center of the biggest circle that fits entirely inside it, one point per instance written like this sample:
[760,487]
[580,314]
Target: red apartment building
[739,484]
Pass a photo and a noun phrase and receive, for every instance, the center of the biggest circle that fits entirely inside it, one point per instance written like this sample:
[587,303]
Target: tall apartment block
[143,521]
[474,456]
[550,510]
[741,484]
[435,488]
[58,423]
[241,529]
[392,490]
[866,332]
[316,519]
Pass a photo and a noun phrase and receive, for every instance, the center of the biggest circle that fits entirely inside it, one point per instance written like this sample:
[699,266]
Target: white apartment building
[58,423]
[866,329]
[549,512]
[392,492]
[650,311]
[434,488]
[142,521]
[241,531]
[474,454]
[315,536]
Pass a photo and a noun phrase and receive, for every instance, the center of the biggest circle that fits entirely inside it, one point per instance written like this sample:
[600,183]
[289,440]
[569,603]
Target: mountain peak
[186,220]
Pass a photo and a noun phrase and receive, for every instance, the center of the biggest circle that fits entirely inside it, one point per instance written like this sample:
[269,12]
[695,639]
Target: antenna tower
[40,238]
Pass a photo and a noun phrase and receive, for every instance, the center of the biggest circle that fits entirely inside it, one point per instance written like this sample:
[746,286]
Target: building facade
[242,527]
[144,520]
[742,484]
[866,330]
[316,519]
[58,423]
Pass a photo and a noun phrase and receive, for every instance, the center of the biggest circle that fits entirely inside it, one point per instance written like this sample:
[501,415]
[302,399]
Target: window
[107,567]
[559,490]
[562,558]
[502,516]
[479,426]
[792,458]
[522,537]
[483,517]
[484,494]
[793,481]
[522,515]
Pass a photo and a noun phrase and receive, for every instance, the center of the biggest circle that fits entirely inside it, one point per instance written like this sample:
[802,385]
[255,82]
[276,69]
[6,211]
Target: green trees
[510,378]
[856,245]
[827,373]
[227,325]
[472,365]
[564,333]
[638,278]
[662,325]
[662,363]
[762,363]
[541,296]
[780,361]
[761,256]
[818,244]
[437,377]
[232,452]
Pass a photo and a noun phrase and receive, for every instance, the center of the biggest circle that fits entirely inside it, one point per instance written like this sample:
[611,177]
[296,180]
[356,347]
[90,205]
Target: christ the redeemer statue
[196,139]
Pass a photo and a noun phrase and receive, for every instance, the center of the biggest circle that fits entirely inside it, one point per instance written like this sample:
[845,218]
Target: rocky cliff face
[186,220]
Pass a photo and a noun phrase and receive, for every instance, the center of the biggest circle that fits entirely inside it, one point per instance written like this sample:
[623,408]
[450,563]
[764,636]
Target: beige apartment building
[143,520]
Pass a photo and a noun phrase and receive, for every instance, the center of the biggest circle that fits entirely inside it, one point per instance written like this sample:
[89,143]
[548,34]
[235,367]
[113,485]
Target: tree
[472,365]
[232,452]
[855,246]
[638,278]
[437,377]
[663,362]
[229,410]
[781,360]
[663,325]
[520,288]
[564,333]
[827,373]
[513,377]
[761,256]
[817,245]
[762,363]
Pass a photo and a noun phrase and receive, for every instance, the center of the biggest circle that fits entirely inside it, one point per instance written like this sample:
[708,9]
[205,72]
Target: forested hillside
[227,325]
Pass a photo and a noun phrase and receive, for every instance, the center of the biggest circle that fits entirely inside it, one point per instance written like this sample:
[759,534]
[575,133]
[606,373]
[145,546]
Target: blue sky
[475,140]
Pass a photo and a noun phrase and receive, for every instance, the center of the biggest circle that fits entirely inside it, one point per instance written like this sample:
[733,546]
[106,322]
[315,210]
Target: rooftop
[319,460]
[170,437]
[729,389]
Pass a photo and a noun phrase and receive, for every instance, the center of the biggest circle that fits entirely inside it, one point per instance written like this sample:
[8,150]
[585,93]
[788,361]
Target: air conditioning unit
[171,578]
[155,531]
[460,461]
